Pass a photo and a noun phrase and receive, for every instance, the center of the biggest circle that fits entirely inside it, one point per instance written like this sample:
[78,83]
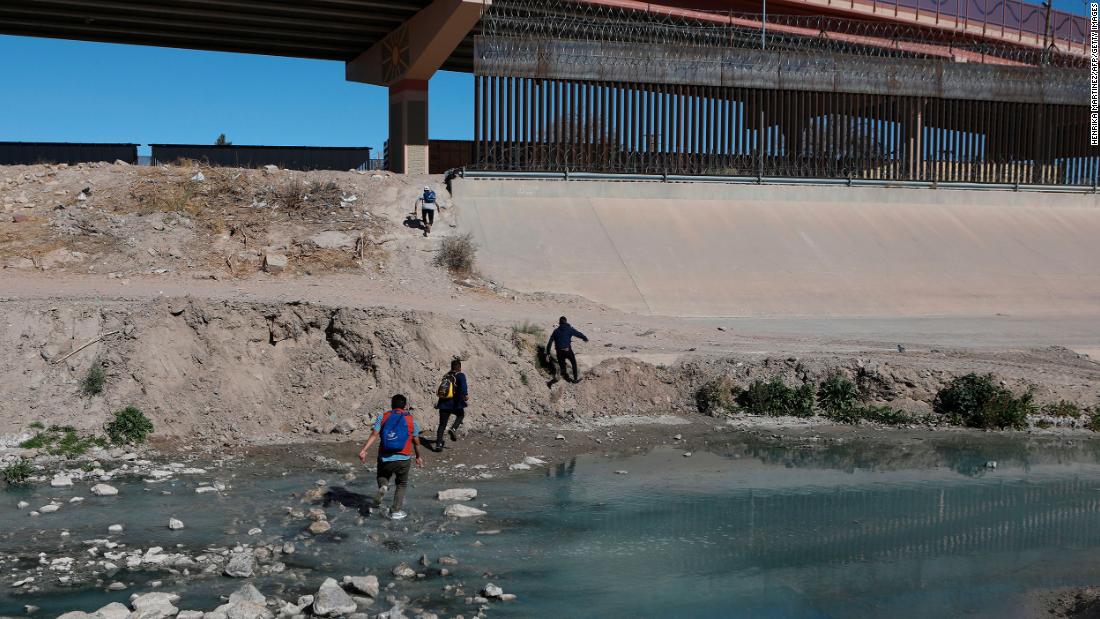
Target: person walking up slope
[453,398]
[426,201]
[562,339]
[396,433]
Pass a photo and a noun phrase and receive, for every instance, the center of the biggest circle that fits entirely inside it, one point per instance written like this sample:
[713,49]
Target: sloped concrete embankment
[731,250]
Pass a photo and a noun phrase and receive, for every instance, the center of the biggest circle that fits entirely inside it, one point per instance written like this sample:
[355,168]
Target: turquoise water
[863,529]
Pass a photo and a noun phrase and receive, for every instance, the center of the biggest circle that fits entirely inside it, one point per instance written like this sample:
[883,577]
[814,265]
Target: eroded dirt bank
[231,372]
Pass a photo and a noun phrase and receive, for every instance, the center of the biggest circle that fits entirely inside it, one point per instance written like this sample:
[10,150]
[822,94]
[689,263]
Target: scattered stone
[115,528]
[457,494]
[522,466]
[240,565]
[271,167]
[114,610]
[61,480]
[492,591]
[620,472]
[22,505]
[116,586]
[367,585]
[175,524]
[345,426]
[49,509]
[687,454]
[448,560]
[533,461]
[30,609]
[191,614]
[157,605]
[332,601]
[559,437]
[247,593]
[198,177]
[992,464]
[255,531]
[402,570]
[677,437]
[274,263]
[76,614]
[319,527]
[458,510]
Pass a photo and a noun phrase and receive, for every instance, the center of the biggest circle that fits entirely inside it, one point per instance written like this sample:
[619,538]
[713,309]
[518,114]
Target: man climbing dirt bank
[562,338]
[398,431]
[426,201]
[453,396]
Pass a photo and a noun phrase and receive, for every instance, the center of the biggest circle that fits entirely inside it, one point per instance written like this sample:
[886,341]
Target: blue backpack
[396,433]
[429,196]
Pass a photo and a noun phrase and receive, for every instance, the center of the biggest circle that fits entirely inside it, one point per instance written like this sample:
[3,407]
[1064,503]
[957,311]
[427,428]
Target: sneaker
[397,515]
[453,434]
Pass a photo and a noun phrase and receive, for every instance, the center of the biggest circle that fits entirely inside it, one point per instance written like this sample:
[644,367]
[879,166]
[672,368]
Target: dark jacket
[562,337]
[461,393]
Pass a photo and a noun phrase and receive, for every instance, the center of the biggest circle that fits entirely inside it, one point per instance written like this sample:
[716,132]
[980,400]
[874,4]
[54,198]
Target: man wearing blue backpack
[396,432]
[427,209]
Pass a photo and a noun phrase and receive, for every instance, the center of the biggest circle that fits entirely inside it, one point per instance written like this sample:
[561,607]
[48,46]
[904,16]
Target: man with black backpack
[396,432]
[453,397]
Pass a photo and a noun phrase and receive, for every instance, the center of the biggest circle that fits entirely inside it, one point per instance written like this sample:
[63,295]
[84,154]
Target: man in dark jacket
[455,406]
[562,339]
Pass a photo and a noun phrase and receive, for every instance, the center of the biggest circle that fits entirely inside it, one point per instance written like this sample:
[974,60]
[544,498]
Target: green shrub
[874,414]
[978,402]
[775,398]
[714,398]
[836,394]
[456,253]
[94,379]
[1094,421]
[1062,408]
[528,328]
[130,426]
[17,473]
[37,425]
[63,441]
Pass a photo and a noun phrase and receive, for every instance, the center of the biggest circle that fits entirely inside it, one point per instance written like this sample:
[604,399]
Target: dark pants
[445,416]
[428,215]
[399,469]
[567,355]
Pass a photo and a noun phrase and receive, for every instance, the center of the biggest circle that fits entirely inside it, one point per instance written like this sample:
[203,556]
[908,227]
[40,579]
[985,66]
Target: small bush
[775,398]
[37,425]
[63,441]
[1062,409]
[714,398]
[17,473]
[523,380]
[94,379]
[456,253]
[977,402]
[874,414]
[836,394]
[130,426]
[528,328]
[1094,421]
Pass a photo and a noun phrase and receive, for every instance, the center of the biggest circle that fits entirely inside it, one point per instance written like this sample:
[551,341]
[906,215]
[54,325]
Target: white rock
[275,263]
[240,565]
[492,591]
[367,585]
[114,610]
[247,593]
[457,494]
[402,570]
[175,524]
[533,461]
[157,605]
[198,177]
[255,531]
[76,614]
[115,528]
[519,467]
[49,509]
[22,505]
[332,601]
[104,490]
[61,480]
[458,510]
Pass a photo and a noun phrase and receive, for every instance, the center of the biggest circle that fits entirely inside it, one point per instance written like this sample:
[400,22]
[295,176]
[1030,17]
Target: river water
[856,529]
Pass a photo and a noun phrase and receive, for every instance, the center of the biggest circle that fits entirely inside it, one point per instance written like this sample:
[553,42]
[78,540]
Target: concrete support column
[408,147]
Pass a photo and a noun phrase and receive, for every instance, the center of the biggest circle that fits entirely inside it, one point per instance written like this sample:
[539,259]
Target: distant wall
[30,153]
[289,157]
[771,250]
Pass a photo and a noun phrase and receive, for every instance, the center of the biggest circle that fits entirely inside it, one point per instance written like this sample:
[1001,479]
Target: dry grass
[457,254]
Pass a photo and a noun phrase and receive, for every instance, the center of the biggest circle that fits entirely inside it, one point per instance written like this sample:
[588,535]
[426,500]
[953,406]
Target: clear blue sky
[70,91]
